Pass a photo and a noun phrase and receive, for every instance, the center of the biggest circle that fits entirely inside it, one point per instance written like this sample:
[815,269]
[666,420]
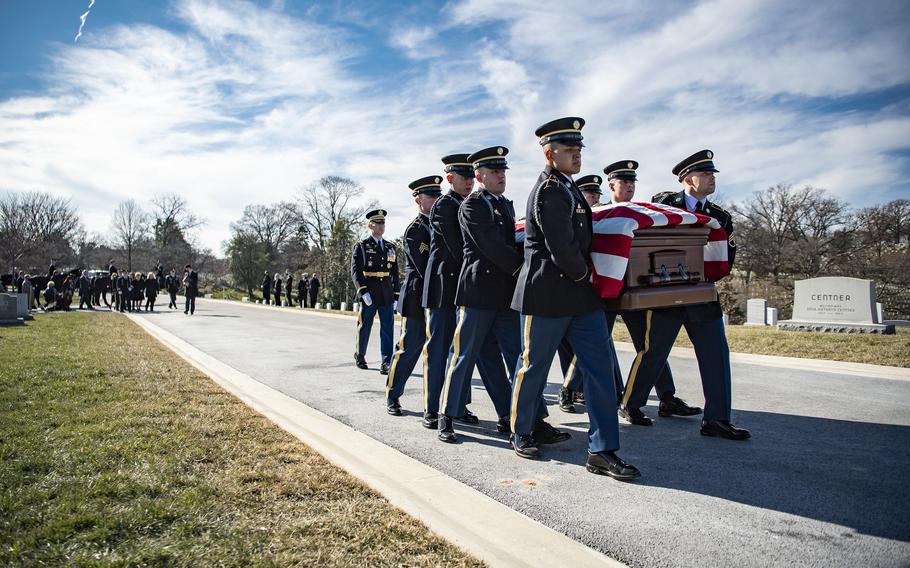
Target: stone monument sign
[835,303]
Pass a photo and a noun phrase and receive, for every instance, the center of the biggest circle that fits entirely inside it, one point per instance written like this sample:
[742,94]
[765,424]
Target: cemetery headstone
[756,311]
[835,304]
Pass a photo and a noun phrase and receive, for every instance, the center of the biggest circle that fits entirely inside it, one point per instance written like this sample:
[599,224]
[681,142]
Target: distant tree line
[37,227]
[314,232]
[785,233]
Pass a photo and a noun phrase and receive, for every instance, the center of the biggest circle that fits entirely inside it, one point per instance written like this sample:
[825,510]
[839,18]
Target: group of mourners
[274,287]
[130,291]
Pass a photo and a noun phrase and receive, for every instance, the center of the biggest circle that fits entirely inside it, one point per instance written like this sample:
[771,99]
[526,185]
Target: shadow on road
[853,474]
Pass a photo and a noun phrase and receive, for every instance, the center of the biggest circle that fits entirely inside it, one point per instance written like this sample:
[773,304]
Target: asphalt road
[825,481]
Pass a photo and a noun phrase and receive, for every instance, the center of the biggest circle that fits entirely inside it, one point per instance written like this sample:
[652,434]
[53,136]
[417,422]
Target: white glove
[367,299]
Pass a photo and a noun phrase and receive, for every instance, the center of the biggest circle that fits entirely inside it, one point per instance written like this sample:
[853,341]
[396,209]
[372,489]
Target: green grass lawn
[115,452]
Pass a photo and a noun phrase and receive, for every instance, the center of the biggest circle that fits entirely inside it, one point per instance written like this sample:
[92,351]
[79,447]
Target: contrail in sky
[82,19]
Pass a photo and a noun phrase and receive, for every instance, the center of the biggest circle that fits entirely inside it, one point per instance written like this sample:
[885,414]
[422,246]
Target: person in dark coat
[289,287]
[112,269]
[703,322]
[303,288]
[314,290]
[159,275]
[276,289]
[413,321]
[123,291]
[556,300]
[266,287]
[51,270]
[50,296]
[439,288]
[85,291]
[485,285]
[151,292]
[191,288]
[140,296]
[374,270]
[172,284]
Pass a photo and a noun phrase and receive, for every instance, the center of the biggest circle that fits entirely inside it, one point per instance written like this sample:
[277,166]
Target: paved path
[824,482]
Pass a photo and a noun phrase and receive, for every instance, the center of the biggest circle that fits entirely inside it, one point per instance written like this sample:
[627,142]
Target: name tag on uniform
[579,209]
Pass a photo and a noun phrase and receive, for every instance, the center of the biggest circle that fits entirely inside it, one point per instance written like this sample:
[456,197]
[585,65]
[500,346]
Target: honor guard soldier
[556,300]
[440,284]
[621,177]
[485,286]
[571,391]
[413,321]
[374,269]
[703,322]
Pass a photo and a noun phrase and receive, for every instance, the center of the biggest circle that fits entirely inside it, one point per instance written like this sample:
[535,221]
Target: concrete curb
[493,532]
[792,363]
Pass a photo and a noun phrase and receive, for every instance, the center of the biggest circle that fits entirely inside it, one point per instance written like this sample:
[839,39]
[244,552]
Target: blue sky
[234,102]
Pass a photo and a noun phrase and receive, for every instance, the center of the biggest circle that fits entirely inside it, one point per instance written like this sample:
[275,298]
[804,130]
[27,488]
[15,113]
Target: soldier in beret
[556,299]
[703,322]
[413,322]
[440,285]
[374,269]
[485,287]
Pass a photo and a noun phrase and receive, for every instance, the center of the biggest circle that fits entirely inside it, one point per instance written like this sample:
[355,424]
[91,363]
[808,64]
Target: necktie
[381,246]
[699,208]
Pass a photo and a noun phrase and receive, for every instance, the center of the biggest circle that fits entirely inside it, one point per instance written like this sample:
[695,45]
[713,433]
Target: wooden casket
[666,269]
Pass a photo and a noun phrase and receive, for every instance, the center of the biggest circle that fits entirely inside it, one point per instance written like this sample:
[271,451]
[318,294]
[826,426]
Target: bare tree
[326,202]
[785,230]
[129,226]
[172,219]
[37,223]
[272,225]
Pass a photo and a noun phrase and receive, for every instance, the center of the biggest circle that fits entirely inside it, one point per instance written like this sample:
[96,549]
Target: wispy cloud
[240,103]
[82,19]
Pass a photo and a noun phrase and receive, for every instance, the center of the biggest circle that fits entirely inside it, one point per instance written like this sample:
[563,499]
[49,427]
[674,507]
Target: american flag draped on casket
[614,227]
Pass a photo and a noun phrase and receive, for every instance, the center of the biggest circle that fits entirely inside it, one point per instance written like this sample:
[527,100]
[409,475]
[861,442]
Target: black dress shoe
[394,408]
[565,401]
[446,432]
[635,416]
[675,406]
[723,429]
[468,418]
[578,397]
[384,368]
[360,361]
[608,463]
[504,425]
[430,420]
[525,446]
[545,433]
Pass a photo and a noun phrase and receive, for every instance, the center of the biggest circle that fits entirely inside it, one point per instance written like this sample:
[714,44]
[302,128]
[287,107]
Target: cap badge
[576,125]
[596,179]
[630,165]
[499,151]
[436,180]
[709,154]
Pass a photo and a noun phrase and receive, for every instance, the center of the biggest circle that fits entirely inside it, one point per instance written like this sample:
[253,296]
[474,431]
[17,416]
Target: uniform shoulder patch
[664,196]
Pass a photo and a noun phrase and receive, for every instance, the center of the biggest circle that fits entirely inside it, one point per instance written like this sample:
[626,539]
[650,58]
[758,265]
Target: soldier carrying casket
[703,322]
